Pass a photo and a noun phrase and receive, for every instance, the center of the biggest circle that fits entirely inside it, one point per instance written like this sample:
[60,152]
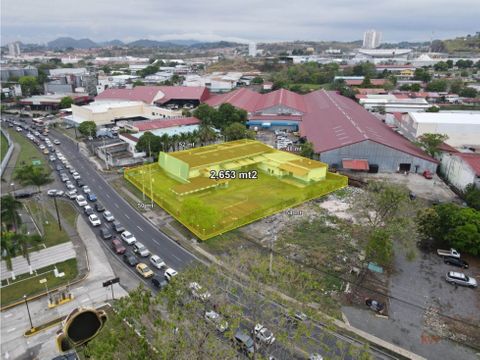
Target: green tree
[433,108]
[66,102]
[379,248]
[468,92]
[235,131]
[307,149]
[138,83]
[88,128]
[366,83]
[29,85]
[206,134]
[33,175]
[415,87]
[150,144]
[437,85]
[257,80]
[9,212]
[456,86]
[422,75]
[472,196]
[205,114]
[449,63]
[441,66]
[431,142]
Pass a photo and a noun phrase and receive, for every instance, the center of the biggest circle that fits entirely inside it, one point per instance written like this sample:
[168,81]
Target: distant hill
[466,44]
[214,45]
[152,44]
[68,42]
[112,43]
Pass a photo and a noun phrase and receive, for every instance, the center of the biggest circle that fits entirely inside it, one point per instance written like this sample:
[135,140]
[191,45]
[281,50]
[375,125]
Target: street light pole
[28,310]
[58,215]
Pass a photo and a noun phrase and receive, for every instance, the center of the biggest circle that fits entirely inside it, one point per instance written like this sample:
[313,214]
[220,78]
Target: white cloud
[211,20]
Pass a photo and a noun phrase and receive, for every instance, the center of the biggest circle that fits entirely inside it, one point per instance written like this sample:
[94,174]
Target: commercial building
[252,49]
[461,169]
[14,49]
[6,73]
[391,103]
[215,82]
[371,39]
[340,129]
[461,127]
[52,102]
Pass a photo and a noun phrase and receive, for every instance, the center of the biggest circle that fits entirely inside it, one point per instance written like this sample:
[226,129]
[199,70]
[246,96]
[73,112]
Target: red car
[427,174]
[118,247]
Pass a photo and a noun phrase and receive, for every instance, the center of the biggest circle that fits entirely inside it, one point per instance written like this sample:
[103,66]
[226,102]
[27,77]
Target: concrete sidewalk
[38,259]
[89,292]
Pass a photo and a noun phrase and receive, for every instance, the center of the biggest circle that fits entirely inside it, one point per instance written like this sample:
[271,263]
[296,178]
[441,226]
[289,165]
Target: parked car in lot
[216,319]
[107,215]
[452,253]
[69,185]
[105,233]
[86,189]
[94,220]
[118,227]
[427,174]
[76,176]
[81,200]
[453,278]
[80,183]
[130,259]
[88,210]
[60,193]
[157,261]
[144,270]
[455,262]
[244,342]
[118,247]
[159,282]
[170,274]
[99,207]
[52,192]
[72,171]
[127,236]
[56,142]
[139,248]
[92,197]
[263,335]
[59,167]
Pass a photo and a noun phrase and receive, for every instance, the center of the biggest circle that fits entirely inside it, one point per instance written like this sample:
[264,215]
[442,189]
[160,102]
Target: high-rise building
[371,39]
[252,49]
[14,49]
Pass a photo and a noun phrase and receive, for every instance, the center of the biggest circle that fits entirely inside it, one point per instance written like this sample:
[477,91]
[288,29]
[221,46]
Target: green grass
[241,203]
[306,88]
[31,286]
[4,147]
[67,212]
[28,150]
[53,235]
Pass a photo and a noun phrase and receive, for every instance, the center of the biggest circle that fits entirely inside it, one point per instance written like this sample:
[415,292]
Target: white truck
[452,253]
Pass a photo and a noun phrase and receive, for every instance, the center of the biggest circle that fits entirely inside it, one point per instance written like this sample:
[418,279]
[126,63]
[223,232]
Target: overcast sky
[37,21]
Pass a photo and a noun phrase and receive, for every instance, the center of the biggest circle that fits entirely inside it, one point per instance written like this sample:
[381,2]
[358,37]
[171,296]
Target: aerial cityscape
[254,180]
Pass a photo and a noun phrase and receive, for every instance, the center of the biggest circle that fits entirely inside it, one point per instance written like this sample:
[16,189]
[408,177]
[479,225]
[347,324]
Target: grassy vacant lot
[4,146]
[28,151]
[219,210]
[29,285]
[53,236]
[67,212]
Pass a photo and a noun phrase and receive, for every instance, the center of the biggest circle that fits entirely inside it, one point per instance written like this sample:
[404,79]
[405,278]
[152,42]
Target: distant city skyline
[33,21]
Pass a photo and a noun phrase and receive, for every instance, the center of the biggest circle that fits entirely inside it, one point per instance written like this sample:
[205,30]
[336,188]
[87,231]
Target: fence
[8,155]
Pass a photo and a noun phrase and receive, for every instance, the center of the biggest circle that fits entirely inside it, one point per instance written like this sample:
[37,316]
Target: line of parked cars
[452,257]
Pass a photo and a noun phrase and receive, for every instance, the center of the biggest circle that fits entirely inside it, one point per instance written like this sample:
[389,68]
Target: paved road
[157,242]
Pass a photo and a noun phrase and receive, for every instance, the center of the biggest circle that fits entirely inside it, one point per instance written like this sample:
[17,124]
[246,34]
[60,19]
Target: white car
[216,319]
[56,142]
[169,274]
[52,192]
[263,334]
[42,147]
[157,261]
[72,194]
[76,176]
[72,170]
[81,201]
[198,292]
[94,220]
[108,216]
[140,249]
[60,193]
[86,189]
[128,237]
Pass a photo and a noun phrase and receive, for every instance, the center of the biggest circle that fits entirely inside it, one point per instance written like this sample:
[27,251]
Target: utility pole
[58,215]
[28,310]
[274,239]
[150,173]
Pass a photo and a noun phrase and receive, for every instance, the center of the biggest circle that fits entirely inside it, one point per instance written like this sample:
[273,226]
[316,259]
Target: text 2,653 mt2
[233,174]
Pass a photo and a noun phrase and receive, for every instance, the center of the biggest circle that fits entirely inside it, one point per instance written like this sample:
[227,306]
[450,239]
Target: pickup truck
[452,253]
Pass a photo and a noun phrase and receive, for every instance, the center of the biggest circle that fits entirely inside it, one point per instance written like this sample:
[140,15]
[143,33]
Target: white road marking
[118,207]
[10,330]
[107,196]
[139,228]
[176,257]
[8,315]
[80,288]
[85,300]
[128,217]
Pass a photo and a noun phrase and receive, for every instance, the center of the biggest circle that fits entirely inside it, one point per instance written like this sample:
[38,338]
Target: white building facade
[371,39]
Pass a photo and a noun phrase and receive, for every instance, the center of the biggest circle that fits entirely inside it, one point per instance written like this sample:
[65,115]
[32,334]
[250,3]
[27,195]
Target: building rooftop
[454,117]
[104,106]
[473,160]
[149,125]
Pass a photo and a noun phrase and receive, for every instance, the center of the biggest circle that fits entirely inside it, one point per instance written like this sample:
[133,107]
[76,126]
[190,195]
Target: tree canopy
[88,128]
[236,131]
[431,142]
[66,102]
[150,144]
[220,118]
[29,85]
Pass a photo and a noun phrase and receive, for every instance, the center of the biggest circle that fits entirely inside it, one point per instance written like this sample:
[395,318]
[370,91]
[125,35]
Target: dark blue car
[92,197]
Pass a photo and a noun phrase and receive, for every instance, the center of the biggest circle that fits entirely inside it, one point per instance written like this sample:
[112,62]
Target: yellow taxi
[144,270]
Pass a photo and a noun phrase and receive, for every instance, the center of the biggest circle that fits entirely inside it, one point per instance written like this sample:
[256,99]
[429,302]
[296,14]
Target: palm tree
[175,138]
[193,138]
[9,212]
[33,175]
[25,242]
[206,134]
[183,140]
[13,244]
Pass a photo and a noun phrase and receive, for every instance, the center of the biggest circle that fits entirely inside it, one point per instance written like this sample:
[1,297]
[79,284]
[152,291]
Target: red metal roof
[473,160]
[355,164]
[149,94]
[374,82]
[128,136]
[333,121]
[447,148]
[281,97]
[241,98]
[164,123]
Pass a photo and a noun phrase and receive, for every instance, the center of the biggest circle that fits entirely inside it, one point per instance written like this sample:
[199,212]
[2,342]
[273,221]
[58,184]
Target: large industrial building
[343,133]
[461,127]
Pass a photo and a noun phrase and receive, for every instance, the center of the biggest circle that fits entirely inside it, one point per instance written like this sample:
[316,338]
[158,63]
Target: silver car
[458,278]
